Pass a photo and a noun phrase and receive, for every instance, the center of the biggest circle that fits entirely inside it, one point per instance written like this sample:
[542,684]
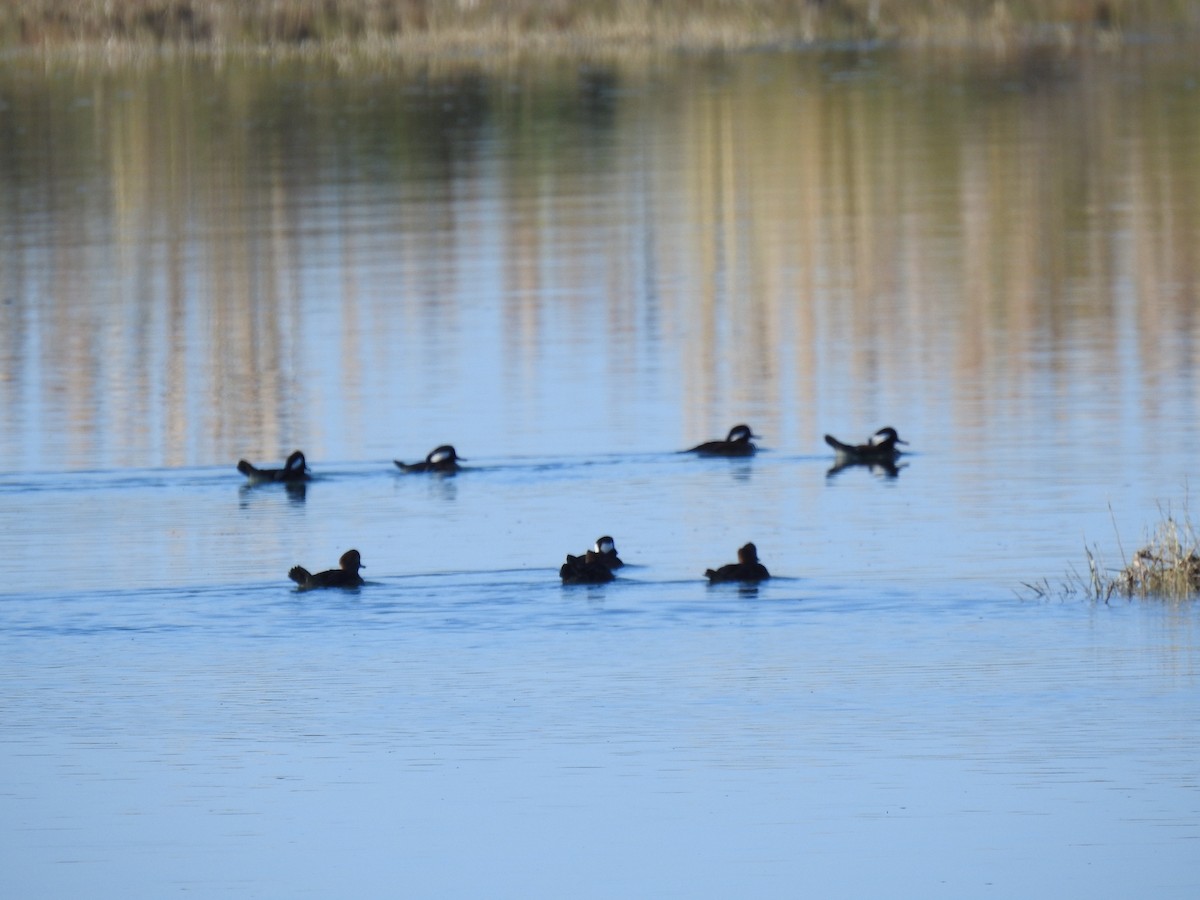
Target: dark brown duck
[345,577]
[747,568]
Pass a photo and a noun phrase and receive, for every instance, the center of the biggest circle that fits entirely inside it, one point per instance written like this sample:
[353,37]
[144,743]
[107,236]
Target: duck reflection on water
[881,469]
[296,491]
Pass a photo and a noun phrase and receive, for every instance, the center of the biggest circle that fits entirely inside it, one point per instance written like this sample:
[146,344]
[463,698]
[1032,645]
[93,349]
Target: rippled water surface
[572,271]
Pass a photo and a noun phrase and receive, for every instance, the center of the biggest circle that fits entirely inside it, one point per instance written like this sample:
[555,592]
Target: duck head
[740,434]
[605,545]
[440,456]
[886,437]
[748,555]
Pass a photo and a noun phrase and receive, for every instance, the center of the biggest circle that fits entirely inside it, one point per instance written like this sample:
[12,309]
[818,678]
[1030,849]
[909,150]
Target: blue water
[571,290]
[178,718]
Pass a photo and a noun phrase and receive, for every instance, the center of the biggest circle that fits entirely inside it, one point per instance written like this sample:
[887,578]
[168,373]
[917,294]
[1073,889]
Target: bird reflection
[878,468]
[741,471]
[297,491]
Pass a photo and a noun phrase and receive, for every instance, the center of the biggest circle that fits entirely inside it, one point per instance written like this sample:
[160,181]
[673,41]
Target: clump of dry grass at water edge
[1166,568]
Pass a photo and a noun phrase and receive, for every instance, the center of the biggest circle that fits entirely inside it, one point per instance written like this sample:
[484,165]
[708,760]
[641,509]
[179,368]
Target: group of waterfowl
[597,565]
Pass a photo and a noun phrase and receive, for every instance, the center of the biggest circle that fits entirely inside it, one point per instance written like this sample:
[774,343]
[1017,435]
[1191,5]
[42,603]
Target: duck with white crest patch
[441,459]
[294,470]
[880,447]
[737,443]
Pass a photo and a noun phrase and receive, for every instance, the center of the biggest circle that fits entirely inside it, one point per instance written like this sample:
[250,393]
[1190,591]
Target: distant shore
[486,25]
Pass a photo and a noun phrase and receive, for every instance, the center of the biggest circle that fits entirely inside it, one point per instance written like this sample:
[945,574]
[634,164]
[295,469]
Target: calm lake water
[571,271]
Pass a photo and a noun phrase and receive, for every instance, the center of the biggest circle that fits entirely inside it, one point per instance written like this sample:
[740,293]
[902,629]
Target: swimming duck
[591,568]
[880,448]
[345,577]
[747,568]
[595,566]
[736,444]
[295,469]
[439,459]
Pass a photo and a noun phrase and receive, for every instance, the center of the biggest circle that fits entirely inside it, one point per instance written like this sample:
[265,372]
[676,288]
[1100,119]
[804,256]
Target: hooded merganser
[736,444]
[747,568]
[345,577]
[591,568]
[295,469]
[880,448]
[439,459]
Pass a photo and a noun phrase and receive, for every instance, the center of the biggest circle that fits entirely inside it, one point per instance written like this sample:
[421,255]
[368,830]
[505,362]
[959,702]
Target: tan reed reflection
[222,260]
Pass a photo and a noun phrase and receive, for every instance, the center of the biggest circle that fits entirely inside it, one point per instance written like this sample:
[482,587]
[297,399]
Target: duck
[591,568]
[439,459]
[603,554]
[737,443]
[294,470]
[879,448]
[344,577]
[747,568]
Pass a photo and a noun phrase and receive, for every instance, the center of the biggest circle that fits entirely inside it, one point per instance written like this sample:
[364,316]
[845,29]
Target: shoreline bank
[386,27]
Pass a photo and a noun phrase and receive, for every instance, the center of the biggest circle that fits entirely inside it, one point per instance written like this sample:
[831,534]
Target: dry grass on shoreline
[509,24]
[1166,568]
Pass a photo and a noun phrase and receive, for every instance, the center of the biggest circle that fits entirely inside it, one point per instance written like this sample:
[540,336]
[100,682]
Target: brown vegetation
[463,24]
[1166,568]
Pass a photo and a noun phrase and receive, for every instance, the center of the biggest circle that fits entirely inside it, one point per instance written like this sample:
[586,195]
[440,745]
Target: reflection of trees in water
[760,227]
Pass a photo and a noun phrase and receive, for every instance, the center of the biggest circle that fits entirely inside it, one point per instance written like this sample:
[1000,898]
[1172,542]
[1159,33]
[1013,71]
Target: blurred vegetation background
[229,24]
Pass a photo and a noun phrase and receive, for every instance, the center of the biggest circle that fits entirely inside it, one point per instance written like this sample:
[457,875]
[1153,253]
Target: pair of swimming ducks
[439,459]
[881,447]
[594,567]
